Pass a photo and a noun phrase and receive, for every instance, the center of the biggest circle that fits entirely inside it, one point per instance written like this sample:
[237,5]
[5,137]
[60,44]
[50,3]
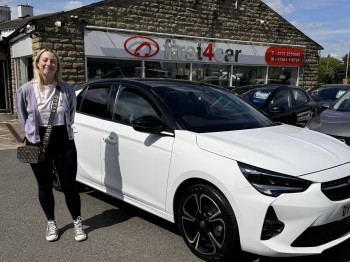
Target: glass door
[4,105]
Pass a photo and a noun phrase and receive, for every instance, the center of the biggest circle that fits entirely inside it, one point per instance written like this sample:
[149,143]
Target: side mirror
[325,106]
[277,109]
[148,124]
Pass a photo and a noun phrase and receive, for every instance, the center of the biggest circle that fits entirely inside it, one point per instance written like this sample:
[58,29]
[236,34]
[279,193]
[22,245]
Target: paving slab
[11,132]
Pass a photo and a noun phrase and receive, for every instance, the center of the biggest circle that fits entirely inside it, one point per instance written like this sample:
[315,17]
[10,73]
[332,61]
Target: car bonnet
[285,149]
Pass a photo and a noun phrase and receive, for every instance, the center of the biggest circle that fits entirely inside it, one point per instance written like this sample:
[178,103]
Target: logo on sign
[261,95]
[141,46]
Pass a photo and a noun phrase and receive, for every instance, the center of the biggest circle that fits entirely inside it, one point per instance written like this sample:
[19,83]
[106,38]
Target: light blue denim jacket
[28,114]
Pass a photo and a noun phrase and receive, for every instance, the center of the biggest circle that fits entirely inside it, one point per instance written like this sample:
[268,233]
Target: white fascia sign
[126,46]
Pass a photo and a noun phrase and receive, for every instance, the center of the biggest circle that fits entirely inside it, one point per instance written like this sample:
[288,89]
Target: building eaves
[20,22]
[17,23]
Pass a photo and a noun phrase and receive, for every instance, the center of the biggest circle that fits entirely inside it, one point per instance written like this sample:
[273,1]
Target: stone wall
[204,18]
[67,41]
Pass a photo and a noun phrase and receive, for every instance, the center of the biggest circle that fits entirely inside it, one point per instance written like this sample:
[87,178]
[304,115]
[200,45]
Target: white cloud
[312,27]
[52,7]
[72,5]
[302,4]
[319,4]
[324,21]
[6,2]
[279,7]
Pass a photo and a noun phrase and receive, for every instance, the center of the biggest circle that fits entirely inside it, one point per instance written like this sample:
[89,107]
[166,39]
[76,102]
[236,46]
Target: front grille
[319,235]
[338,189]
[344,139]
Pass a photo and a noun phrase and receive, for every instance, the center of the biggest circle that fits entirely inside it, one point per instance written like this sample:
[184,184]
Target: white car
[225,173]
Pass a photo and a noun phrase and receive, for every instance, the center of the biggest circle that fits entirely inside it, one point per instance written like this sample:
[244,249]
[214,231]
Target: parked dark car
[327,94]
[334,121]
[283,103]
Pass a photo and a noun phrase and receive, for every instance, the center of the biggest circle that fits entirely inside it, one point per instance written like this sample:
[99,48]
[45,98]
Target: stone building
[227,42]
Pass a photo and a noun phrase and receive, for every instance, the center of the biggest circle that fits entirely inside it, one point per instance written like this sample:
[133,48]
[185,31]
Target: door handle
[110,140]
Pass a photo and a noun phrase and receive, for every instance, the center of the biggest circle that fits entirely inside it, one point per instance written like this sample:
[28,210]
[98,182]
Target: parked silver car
[334,121]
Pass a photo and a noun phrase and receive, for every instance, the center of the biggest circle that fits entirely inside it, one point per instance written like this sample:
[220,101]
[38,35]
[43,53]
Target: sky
[327,22]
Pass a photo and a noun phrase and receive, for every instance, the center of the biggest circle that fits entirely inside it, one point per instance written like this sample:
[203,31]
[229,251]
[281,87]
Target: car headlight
[272,183]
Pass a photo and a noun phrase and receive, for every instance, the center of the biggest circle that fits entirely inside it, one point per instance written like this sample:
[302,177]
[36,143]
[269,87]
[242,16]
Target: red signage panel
[284,56]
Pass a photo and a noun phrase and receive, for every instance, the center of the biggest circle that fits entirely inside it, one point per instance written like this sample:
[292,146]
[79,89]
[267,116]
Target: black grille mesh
[319,235]
[338,189]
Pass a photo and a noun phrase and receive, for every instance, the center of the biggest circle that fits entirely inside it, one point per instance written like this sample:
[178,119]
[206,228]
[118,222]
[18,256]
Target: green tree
[331,70]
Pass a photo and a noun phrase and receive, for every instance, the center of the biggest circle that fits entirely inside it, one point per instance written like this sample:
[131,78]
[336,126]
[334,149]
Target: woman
[33,104]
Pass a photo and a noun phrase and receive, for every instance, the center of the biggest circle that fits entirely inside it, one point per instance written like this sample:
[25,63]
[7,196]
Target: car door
[303,106]
[92,112]
[135,165]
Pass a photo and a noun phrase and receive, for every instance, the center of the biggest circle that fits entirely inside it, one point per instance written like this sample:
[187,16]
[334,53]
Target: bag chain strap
[52,116]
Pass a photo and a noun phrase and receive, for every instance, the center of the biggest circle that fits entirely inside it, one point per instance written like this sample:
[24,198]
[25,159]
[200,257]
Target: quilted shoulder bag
[36,154]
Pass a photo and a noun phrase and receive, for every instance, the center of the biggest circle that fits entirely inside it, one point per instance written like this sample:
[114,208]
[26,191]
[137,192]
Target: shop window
[167,70]
[217,74]
[283,75]
[250,75]
[112,68]
[213,74]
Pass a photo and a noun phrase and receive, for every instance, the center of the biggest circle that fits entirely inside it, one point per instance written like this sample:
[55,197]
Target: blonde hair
[38,77]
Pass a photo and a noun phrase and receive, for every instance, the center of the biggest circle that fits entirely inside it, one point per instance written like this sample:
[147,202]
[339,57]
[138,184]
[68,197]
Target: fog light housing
[272,226]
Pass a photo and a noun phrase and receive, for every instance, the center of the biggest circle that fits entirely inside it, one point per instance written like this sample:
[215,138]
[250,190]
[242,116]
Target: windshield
[343,103]
[205,109]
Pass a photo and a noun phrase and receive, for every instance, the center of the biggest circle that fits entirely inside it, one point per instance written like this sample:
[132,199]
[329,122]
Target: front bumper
[308,217]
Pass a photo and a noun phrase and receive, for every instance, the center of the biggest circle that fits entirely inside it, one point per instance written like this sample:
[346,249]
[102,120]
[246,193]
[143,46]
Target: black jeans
[62,153]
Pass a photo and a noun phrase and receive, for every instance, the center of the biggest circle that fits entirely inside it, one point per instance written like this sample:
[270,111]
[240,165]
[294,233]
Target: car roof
[346,86]
[243,89]
[336,85]
[152,82]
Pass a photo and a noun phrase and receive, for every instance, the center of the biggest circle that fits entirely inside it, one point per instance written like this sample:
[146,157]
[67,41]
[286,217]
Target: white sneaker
[51,231]
[78,230]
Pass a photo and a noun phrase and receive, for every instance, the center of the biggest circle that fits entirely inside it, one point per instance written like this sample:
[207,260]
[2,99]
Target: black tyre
[208,224]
